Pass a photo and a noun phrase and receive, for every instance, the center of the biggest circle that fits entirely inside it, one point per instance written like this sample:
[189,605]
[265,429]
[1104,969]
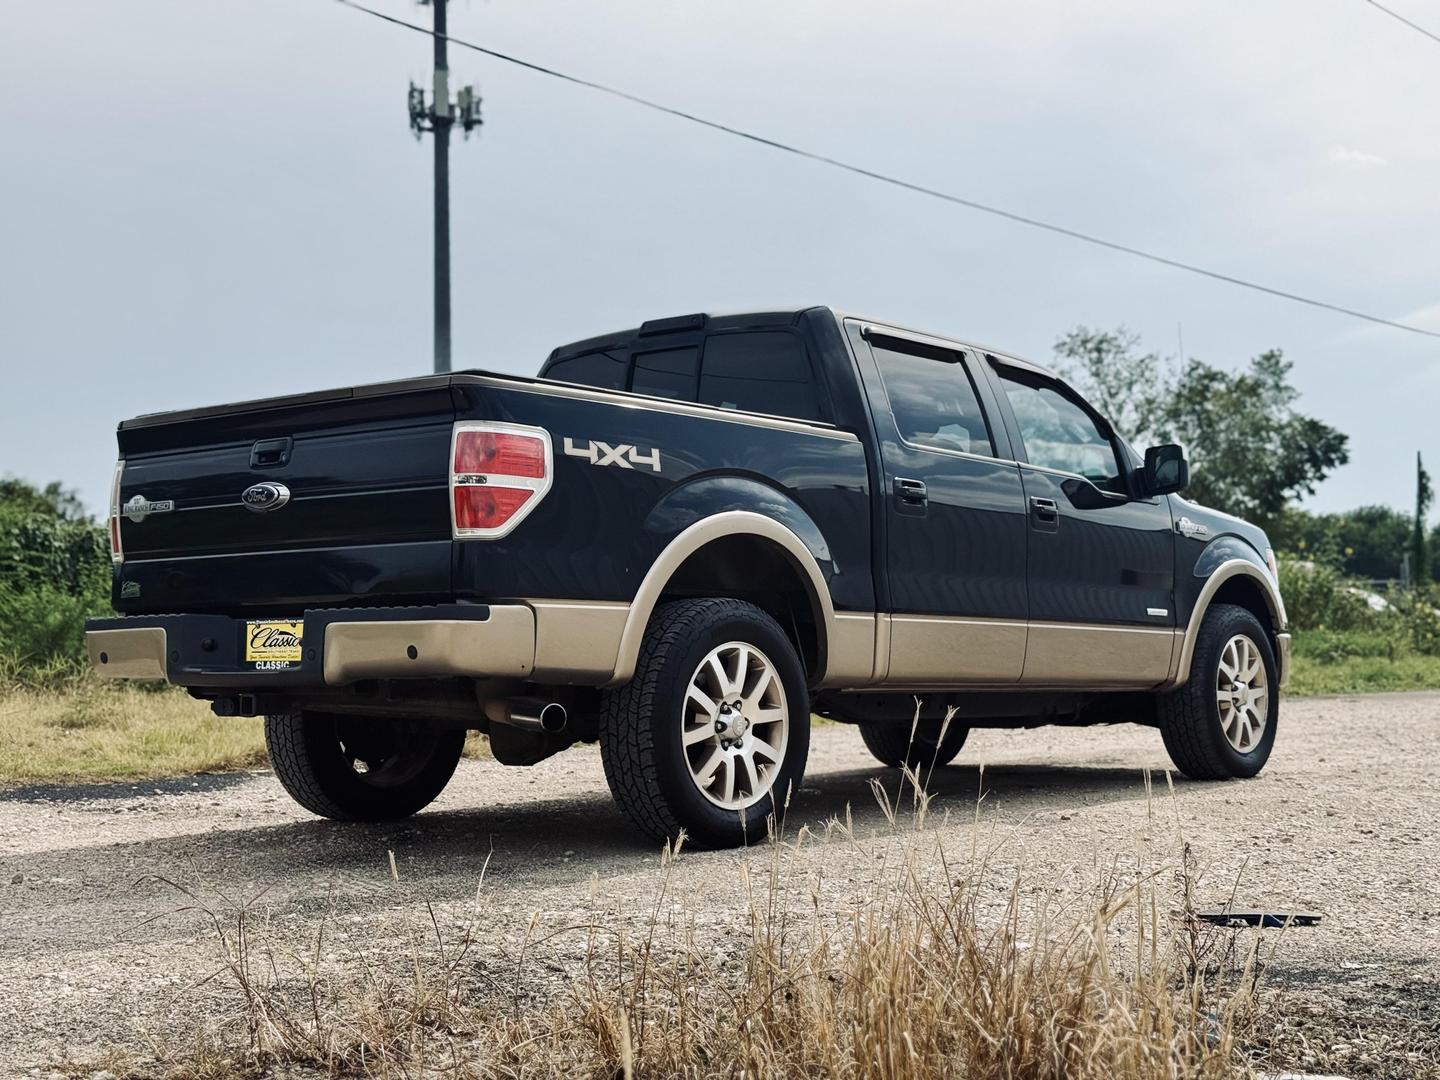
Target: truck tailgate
[366,520]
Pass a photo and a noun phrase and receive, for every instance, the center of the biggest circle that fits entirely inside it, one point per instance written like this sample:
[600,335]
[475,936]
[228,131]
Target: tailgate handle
[270,453]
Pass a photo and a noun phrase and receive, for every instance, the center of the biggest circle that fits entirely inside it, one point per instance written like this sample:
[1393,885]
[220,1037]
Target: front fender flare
[1222,573]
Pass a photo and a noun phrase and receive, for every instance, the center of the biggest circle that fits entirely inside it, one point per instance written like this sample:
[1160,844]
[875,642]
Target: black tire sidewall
[708,824]
[344,794]
[891,744]
[1205,668]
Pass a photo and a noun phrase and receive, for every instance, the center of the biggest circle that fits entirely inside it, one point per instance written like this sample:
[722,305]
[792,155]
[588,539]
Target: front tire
[893,744]
[1221,724]
[354,768]
[711,734]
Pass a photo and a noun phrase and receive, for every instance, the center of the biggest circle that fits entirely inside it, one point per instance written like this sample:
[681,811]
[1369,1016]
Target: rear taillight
[498,474]
[117,554]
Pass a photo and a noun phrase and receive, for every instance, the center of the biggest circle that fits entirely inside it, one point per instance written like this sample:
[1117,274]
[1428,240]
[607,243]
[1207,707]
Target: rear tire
[1221,724]
[711,734]
[892,743]
[359,769]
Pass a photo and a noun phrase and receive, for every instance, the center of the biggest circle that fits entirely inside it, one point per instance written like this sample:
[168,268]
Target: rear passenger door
[954,516]
[1101,558]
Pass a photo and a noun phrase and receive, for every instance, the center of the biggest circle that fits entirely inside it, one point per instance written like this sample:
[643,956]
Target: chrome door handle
[1045,509]
[911,492]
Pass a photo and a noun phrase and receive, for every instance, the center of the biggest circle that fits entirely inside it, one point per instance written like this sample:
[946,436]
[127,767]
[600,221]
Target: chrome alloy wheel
[735,725]
[1242,692]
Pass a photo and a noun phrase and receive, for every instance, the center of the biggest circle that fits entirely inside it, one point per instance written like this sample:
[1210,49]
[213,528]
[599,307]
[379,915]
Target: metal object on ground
[1266,920]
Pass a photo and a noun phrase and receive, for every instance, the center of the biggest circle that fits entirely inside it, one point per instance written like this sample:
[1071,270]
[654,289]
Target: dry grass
[94,731]
[937,967]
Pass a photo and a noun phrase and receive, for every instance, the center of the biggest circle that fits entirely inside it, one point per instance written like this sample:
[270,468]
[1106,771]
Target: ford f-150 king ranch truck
[680,541]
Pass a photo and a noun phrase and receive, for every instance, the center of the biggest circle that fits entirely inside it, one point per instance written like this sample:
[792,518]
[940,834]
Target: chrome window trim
[959,453]
[628,399]
[882,330]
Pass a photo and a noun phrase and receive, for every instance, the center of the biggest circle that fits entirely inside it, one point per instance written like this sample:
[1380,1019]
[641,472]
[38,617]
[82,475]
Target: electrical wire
[907,185]
[1401,18]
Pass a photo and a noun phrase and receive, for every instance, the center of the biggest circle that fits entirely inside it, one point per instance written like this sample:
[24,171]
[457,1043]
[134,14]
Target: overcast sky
[208,201]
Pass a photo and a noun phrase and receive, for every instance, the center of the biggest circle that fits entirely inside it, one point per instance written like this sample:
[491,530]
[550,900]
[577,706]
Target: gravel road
[100,948]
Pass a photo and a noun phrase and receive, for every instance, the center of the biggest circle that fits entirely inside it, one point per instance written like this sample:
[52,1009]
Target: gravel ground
[100,948]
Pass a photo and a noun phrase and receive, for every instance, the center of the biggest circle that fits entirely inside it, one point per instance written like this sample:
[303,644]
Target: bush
[1317,598]
[54,572]
[42,633]
[1334,621]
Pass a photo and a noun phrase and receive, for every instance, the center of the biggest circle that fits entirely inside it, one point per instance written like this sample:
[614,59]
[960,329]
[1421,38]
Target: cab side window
[1057,430]
[932,398]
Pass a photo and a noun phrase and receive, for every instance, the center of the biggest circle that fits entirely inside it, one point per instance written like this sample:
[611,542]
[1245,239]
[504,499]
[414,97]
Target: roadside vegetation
[57,722]
[1352,639]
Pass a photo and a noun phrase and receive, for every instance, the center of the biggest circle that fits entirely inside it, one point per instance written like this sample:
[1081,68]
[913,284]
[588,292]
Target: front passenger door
[1101,557]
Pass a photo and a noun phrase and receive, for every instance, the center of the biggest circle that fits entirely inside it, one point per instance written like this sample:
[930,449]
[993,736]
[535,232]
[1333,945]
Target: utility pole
[438,118]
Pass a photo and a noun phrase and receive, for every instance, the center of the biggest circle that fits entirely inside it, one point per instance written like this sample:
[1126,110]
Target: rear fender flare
[694,537]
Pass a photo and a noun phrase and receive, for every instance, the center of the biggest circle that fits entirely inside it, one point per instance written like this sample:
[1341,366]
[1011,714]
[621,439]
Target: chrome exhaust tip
[531,714]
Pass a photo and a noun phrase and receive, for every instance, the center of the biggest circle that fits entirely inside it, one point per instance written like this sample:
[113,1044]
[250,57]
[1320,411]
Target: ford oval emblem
[264,497]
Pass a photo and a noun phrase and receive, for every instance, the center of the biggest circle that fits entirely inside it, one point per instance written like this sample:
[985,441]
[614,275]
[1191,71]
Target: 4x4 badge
[602,453]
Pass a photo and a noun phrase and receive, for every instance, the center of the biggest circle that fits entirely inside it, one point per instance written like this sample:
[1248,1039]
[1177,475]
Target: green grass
[92,731]
[1359,662]
[1363,675]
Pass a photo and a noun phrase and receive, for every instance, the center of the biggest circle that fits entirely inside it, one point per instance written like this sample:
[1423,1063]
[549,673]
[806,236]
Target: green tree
[1127,385]
[1367,542]
[1419,548]
[50,501]
[48,541]
[1251,452]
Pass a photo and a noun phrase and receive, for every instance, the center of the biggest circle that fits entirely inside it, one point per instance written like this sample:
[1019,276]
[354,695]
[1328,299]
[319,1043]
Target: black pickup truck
[681,541]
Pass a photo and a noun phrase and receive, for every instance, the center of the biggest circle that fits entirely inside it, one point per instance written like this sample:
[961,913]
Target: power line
[1401,18]
[920,189]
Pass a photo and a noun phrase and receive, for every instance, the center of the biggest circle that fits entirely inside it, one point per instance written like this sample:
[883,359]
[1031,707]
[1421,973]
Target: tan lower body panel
[1071,654]
[127,654]
[851,653]
[1282,658]
[938,651]
[577,641]
[501,646]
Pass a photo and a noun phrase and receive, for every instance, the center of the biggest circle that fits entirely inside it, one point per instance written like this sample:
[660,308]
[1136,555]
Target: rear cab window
[765,371]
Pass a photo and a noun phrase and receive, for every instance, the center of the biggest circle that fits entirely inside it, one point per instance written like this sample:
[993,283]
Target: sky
[208,202]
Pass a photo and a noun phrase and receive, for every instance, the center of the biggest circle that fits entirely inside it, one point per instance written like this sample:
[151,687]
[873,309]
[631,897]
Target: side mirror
[1166,469]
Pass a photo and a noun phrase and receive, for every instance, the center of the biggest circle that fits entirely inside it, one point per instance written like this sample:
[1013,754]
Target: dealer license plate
[273,645]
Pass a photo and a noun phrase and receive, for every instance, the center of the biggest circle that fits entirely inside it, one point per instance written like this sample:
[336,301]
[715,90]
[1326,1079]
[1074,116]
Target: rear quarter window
[760,371]
[668,373]
[606,369]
